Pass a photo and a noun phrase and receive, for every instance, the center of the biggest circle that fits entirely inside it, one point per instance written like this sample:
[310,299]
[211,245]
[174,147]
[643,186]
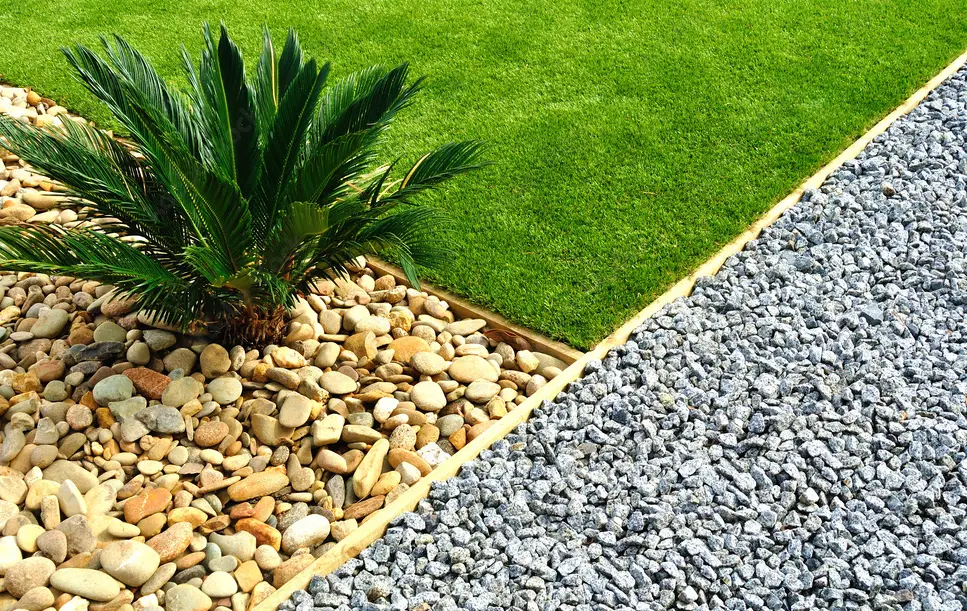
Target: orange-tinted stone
[264,534]
[171,543]
[148,382]
[145,504]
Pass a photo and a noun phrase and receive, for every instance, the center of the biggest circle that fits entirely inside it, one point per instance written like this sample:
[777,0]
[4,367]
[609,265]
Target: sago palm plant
[230,198]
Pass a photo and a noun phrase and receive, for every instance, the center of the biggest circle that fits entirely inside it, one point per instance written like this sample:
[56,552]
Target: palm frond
[333,171]
[224,99]
[130,75]
[437,166]
[366,101]
[291,63]
[266,87]
[284,144]
[85,253]
[303,219]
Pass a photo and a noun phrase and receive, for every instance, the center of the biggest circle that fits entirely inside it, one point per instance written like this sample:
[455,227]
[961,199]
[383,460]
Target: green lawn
[632,138]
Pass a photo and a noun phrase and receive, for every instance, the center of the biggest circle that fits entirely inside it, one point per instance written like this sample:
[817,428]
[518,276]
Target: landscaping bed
[141,467]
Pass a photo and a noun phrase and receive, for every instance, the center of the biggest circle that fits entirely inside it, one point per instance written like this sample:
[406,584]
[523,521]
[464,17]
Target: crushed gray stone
[791,436]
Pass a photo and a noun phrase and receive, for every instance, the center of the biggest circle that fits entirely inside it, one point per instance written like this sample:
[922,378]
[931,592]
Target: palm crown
[236,194]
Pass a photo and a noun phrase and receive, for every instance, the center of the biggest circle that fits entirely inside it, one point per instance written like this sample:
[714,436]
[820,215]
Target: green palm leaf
[284,144]
[224,98]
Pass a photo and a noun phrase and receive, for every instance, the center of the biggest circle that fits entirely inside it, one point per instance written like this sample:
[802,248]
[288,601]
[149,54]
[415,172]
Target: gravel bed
[792,436]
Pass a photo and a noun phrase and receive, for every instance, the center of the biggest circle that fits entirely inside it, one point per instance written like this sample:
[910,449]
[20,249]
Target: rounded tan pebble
[88,583]
[328,430]
[164,573]
[368,471]
[27,537]
[332,462]
[79,417]
[12,488]
[257,484]
[192,515]
[125,458]
[428,363]
[178,455]
[152,525]
[409,474]
[189,560]
[215,361]
[173,542]
[71,501]
[130,562]
[186,597]
[337,383]
[267,558]
[122,530]
[28,574]
[468,369]
[387,481]
[343,528]
[248,575]
[150,467]
[536,383]
[405,347]
[53,544]
[352,433]
[428,396]
[210,433]
[43,456]
[428,433]
[384,408]
[290,568]
[36,599]
[526,361]
[10,553]
[305,533]
[481,391]
[219,585]
[211,456]
[233,463]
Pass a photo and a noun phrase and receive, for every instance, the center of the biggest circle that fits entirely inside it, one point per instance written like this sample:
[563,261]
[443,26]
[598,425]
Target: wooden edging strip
[465,309]
[375,525]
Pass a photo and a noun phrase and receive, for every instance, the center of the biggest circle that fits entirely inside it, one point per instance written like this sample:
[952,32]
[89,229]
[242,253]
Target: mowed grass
[632,139]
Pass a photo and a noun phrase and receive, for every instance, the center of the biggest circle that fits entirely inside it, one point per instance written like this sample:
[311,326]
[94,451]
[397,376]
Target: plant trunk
[252,327]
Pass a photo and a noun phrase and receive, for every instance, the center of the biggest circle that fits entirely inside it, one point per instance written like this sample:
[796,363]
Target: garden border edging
[374,527]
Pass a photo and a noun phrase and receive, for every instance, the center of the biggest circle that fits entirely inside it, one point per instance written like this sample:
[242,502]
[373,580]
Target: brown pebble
[145,504]
[105,419]
[363,508]
[210,433]
[458,438]
[428,433]
[290,568]
[215,524]
[152,525]
[398,455]
[477,430]
[189,560]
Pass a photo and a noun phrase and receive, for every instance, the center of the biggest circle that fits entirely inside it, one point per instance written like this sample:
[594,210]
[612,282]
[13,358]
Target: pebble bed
[791,436]
[142,469]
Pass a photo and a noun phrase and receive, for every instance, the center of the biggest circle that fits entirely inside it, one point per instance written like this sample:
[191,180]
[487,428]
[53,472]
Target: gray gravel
[792,436]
